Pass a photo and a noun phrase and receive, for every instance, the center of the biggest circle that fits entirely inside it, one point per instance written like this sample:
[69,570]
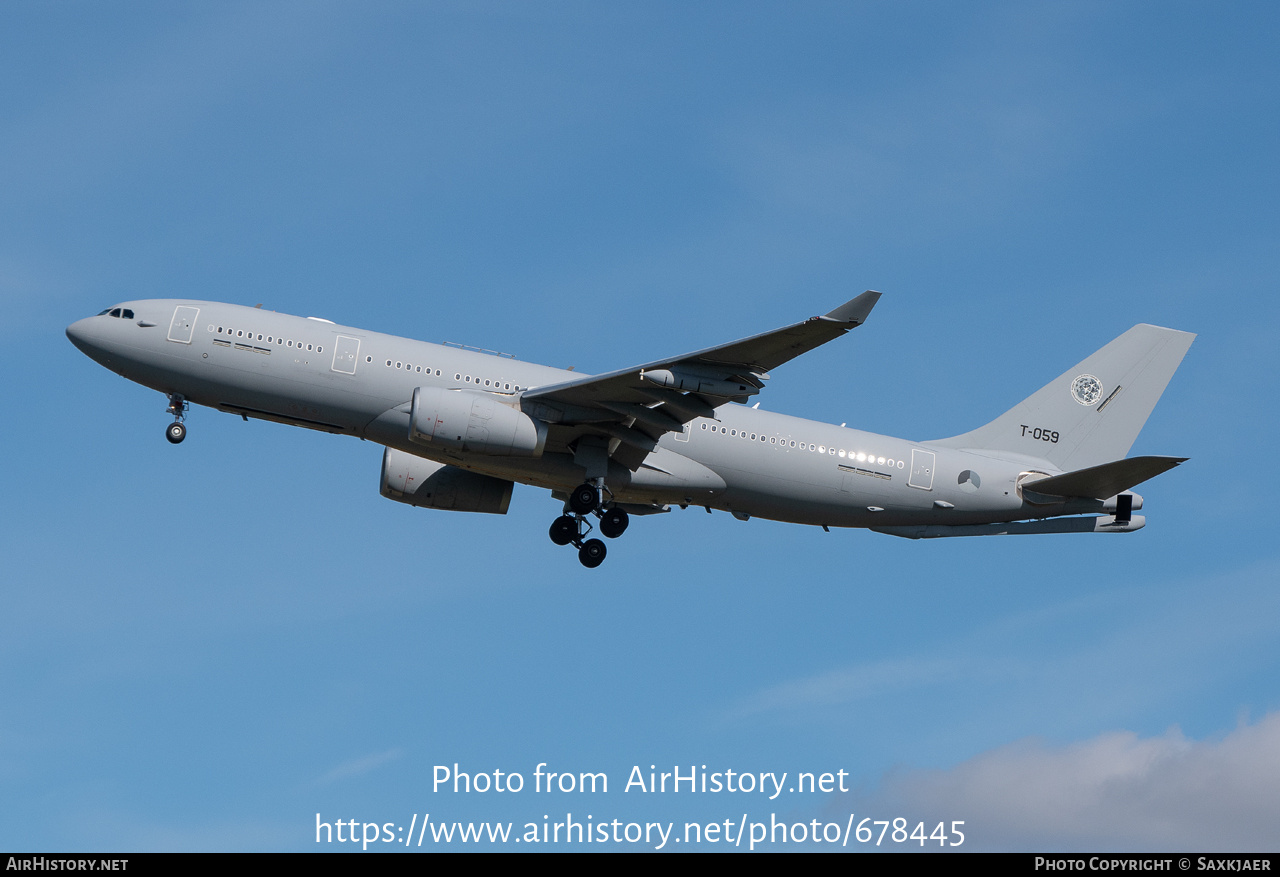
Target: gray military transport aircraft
[460,425]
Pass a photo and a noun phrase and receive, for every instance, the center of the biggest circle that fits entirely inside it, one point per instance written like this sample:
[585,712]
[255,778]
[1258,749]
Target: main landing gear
[177,430]
[572,529]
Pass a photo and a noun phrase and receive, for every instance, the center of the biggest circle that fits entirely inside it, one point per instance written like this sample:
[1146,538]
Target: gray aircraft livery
[460,425]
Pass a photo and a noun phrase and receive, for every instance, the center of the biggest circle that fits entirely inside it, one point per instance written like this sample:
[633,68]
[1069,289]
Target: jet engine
[431,485]
[466,420]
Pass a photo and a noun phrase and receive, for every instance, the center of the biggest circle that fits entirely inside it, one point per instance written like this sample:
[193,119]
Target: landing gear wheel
[564,530]
[613,523]
[175,433]
[584,499]
[592,553]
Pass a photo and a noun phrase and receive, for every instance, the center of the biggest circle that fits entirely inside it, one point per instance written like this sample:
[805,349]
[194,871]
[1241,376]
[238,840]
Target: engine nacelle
[431,485]
[467,420]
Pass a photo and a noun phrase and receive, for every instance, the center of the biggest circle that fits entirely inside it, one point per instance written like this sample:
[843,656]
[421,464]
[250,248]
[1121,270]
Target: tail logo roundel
[1086,389]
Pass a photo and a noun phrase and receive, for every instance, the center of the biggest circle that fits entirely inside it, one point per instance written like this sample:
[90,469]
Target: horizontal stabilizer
[1102,482]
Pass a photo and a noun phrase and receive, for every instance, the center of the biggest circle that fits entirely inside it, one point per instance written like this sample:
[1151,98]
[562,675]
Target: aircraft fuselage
[317,374]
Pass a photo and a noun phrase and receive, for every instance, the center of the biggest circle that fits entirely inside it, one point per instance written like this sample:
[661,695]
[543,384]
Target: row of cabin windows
[466,379]
[270,339]
[859,456]
[240,333]
[409,367]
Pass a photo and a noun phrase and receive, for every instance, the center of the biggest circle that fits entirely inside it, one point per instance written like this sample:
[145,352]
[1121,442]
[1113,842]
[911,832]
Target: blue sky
[207,645]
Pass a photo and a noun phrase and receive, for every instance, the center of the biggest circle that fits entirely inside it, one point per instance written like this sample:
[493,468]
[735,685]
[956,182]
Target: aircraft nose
[76,333]
[81,333]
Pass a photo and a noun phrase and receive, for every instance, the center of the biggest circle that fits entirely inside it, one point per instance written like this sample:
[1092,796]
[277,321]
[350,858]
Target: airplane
[461,425]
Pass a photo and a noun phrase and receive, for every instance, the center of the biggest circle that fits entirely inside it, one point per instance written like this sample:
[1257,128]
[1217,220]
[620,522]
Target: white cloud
[359,767]
[845,685]
[1113,792]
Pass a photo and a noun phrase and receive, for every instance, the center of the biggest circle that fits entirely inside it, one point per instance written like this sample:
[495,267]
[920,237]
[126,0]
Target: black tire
[584,499]
[592,553]
[613,523]
[175,433]
[564,530]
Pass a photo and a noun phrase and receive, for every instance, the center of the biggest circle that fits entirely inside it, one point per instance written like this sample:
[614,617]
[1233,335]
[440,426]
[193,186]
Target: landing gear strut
[572,529]
[177,430]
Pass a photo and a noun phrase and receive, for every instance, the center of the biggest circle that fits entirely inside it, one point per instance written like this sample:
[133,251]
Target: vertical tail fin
[1091,414]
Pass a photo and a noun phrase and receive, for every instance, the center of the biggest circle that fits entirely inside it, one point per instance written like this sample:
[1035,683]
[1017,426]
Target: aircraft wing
[637,405]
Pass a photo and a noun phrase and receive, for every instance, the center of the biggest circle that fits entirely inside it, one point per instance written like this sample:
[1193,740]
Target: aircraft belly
[809,490]
[665,477]
[269,386]
[673,477]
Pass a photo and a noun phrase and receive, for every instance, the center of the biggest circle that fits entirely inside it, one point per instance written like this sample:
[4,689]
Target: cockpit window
[117,312]
[127,314]
[103,312]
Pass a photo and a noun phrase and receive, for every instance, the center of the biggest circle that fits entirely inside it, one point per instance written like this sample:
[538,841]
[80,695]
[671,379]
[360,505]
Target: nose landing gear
[572,529]
[177,430]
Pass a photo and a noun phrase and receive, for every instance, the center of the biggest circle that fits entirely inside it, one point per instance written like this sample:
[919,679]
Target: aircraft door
[183,324]
[921,469]
[346,352]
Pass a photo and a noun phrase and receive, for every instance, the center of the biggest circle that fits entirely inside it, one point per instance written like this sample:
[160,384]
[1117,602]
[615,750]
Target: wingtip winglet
[855,310]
